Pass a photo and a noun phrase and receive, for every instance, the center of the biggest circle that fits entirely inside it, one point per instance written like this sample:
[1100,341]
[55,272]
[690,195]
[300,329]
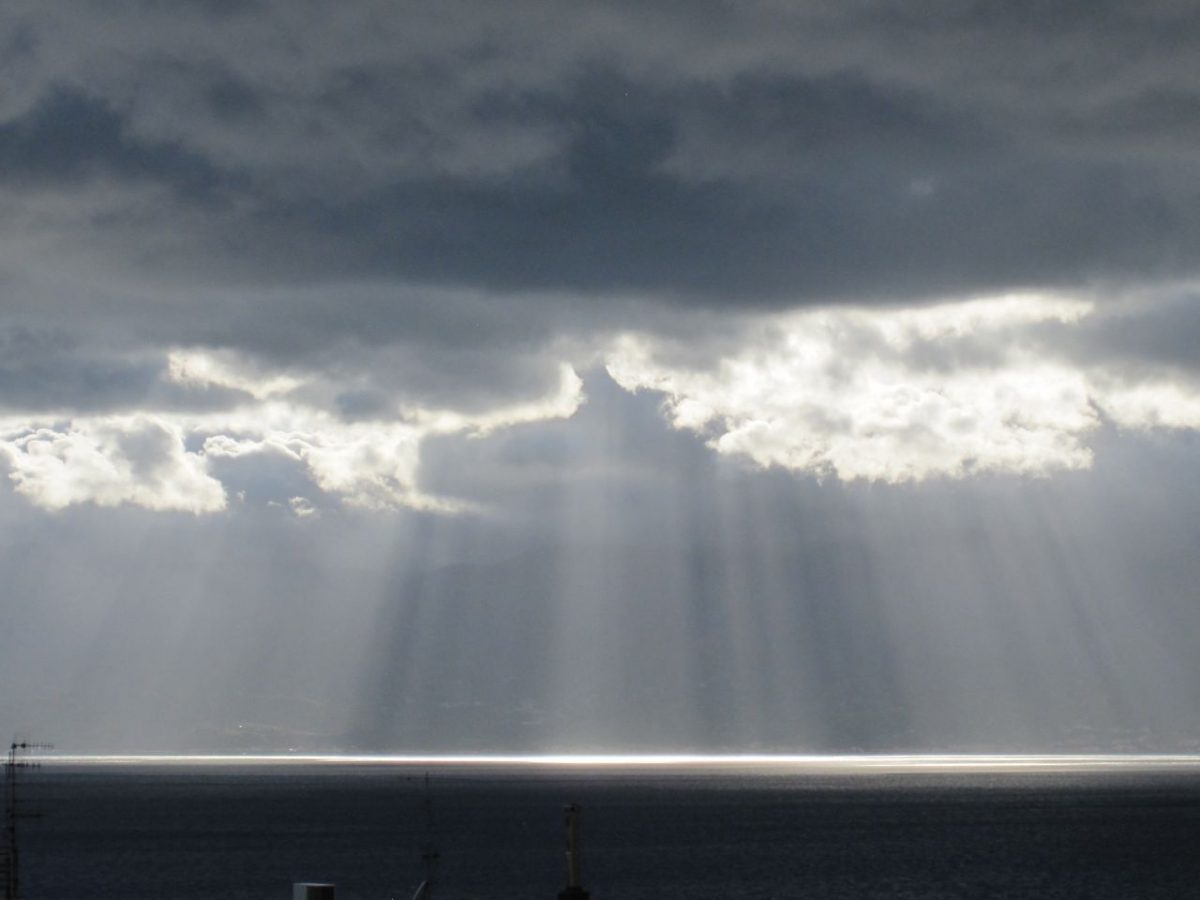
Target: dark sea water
[143,833]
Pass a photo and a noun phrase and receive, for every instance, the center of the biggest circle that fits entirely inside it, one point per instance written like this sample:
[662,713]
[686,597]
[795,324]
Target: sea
[200,829]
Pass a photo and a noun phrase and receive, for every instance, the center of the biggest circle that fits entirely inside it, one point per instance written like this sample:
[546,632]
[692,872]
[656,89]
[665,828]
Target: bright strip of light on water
[849,764]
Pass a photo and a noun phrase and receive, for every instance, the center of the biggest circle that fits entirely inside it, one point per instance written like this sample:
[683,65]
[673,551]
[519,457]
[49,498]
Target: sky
[600,377]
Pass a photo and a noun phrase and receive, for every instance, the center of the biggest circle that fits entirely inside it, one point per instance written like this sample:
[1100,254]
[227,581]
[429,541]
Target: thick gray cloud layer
[425,203]
[469,180]
[738,153]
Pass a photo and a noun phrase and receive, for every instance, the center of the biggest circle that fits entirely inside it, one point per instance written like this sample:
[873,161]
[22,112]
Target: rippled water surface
[236,831]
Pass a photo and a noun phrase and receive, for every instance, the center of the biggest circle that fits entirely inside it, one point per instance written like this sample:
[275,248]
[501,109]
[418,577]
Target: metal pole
[10,824]
[572,812]
[574,889]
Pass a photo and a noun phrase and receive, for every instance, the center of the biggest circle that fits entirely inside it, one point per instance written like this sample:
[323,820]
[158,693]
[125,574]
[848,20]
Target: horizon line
[862,762]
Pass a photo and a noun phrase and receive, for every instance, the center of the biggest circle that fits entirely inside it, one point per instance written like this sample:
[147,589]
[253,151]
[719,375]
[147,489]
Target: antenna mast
[9,856]
[574,889]
[429,851]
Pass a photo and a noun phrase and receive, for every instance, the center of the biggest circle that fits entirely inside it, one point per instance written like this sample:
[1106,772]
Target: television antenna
[13,813]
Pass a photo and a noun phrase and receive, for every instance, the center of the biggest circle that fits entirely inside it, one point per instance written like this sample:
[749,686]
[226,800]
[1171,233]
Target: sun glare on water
[798,764]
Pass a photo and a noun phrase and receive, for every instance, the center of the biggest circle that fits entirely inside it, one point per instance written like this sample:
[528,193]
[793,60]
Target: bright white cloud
[1150,404]
[198,368]
[109,461]
[164,460]
[366,464]
[900,395]
[878,394]
[559,405]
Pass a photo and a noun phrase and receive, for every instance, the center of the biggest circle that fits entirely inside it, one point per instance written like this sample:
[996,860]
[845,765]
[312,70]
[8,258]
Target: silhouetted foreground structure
[574,889]
[429,851]
[9,855]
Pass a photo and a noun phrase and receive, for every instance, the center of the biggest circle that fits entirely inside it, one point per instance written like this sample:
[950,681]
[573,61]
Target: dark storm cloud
[69,137]
[757,157]
[855,196]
